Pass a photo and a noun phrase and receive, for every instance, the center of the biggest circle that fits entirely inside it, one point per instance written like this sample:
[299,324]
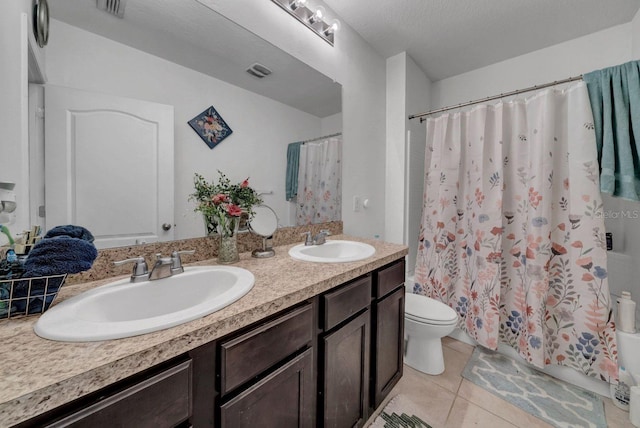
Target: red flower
[577,244]
[219,198]
[587,277]
[245,183]
[233,210]
[561,226]
[496,230]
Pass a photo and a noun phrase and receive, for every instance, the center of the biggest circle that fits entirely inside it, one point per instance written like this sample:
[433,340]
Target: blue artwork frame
[211,127]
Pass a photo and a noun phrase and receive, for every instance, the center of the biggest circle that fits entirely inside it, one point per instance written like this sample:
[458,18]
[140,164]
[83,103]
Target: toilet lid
[424,309]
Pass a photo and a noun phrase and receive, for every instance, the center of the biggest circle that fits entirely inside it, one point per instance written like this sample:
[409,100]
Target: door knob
[166,226]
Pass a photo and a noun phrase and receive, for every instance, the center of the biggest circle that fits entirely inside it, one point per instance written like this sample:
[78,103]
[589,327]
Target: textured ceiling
[449,37]
[191,34]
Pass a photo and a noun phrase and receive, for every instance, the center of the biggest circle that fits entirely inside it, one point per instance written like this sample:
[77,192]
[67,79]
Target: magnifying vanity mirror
[264,224]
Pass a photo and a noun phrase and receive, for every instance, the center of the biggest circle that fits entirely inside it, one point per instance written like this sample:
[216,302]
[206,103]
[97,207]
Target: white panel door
[109,166]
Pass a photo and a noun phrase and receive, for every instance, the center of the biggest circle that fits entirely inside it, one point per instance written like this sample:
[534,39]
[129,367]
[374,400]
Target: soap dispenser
[626,313]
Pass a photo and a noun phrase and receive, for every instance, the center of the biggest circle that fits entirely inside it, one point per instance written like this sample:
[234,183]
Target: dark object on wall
[211,127]
[609,236]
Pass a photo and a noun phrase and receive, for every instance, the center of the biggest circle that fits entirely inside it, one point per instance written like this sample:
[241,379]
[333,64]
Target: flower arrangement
[223,203]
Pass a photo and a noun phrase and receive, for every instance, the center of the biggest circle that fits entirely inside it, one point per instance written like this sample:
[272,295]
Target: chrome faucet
[319,239]
[162,268]
[176,262]
[140,269]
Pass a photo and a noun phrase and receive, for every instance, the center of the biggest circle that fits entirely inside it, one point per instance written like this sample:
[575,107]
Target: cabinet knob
[166,226]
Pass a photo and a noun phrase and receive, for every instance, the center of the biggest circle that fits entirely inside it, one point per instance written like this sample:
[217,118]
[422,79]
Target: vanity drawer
[248,355]
[346,301]
[389,278]
[163,400]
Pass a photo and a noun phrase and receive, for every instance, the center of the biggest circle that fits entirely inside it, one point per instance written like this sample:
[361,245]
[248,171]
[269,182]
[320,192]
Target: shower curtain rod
[322,138]
[495,97]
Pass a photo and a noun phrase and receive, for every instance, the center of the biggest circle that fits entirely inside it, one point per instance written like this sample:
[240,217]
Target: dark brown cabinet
[388,343]
[163,400]
[388,331]
[345,374]
[267,373]
[283,399]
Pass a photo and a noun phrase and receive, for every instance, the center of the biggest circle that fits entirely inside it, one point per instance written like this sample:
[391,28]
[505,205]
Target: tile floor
[454,402]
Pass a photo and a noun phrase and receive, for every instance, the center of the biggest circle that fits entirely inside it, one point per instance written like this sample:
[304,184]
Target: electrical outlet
[357,204]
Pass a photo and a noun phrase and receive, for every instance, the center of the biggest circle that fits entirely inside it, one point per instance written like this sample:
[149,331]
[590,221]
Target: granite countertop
[38,375]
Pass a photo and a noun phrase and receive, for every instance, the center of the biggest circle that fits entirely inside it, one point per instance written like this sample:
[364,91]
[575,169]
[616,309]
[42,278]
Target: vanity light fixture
[317,15]
[294,4]
[312,17]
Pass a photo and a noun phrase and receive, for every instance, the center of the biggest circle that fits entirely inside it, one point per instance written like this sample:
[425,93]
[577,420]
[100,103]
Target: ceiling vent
[114,7]
[258,70]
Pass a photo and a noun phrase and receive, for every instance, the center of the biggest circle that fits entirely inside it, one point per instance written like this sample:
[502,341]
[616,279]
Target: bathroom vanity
[311,345]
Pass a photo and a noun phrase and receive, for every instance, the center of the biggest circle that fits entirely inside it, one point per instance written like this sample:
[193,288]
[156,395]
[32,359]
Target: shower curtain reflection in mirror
[319,196]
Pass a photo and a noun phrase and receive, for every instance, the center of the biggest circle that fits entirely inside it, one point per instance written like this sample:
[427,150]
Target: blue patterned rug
[556,402]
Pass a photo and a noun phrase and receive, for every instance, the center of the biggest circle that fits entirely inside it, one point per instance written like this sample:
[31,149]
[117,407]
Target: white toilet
[426,322]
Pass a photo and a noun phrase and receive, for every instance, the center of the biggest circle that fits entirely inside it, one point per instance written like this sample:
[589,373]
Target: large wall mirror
[165,62]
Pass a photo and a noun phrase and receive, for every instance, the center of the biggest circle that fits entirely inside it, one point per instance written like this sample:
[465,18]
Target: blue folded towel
[56,256]
[71,231]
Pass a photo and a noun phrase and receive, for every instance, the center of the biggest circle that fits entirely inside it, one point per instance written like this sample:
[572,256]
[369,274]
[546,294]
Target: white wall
[598,50]
[331,124]
[262,128]
[418,100]
[14,156]
[361,71]
[635,37]
[408,92]
[395,148]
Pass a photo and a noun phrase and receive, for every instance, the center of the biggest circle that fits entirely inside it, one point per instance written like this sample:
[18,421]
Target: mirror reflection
[128,86]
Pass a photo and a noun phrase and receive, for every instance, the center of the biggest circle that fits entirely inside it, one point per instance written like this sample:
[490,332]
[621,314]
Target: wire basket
[28,296]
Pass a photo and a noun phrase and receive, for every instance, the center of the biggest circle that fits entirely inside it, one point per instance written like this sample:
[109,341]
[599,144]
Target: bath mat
[401,412]
[556,402]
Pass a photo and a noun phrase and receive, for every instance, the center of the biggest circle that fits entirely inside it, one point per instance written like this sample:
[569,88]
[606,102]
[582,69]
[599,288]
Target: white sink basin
[124,309]
[333,252]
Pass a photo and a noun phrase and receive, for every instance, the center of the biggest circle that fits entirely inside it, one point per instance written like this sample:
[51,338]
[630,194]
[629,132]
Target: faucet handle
[308,240]
[176,261]
[140,269]
[325,232]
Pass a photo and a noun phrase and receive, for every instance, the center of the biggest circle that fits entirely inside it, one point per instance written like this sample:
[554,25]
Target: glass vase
[228,246]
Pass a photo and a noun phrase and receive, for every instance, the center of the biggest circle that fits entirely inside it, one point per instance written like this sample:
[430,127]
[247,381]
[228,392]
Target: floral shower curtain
[319,197]
[512,234]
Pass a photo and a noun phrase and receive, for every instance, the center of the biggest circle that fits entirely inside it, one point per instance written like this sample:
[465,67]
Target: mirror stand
[265,251]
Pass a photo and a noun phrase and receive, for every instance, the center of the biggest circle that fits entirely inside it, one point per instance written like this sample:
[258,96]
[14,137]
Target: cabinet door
[345,374]
[283,399]
[388,346]
[163,400]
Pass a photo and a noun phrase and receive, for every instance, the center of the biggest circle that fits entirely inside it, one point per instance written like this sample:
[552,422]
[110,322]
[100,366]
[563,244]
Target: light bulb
[333,28]
[295,4]
[317,15]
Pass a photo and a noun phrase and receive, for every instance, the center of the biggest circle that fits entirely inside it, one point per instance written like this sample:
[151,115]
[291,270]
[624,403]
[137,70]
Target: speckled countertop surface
[37,375]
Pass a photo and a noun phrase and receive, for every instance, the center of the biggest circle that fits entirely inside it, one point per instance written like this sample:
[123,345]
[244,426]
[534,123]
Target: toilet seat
[425,310]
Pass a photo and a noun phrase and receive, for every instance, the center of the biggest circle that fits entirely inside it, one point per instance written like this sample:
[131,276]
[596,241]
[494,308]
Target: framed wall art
[211,127]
